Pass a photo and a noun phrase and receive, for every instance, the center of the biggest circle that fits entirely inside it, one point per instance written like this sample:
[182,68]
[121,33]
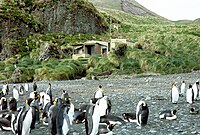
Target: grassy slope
[165,47]
[116,4]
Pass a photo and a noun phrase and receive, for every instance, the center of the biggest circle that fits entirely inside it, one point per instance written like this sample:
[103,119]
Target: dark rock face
[62,16]
[134,9]
[70,17]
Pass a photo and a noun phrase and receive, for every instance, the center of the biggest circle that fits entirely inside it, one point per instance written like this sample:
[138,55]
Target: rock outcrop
[47,16]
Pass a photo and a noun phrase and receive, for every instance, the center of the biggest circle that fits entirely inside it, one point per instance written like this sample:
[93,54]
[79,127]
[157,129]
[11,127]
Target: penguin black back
[13,104]
[4,104]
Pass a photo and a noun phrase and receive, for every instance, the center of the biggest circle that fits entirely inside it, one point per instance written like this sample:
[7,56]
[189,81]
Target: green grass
[157,46]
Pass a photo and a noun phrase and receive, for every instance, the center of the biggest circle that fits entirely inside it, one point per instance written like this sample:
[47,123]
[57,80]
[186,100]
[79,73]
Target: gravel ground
[125,92]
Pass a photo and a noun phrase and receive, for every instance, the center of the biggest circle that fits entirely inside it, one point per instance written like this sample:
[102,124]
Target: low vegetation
[154,45]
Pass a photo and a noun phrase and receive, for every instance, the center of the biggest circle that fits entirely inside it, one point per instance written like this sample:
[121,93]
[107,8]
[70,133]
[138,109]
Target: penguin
[168,115]
[129,117]
[3,103]
[196,90]
[111,119]
[64,95]
[99,93]
[24,119]
[194,110]
[70,112]
[53,114]
[5,89]
[174,93]
[49,92]
[142,113]
[15,93]
[92,118]
[34,86]
[36,114]
[63,121]
[21,89]
[105,128]
[182,89]
[26,87]
[8,116]
[12,104]
[190,95]
[5,123]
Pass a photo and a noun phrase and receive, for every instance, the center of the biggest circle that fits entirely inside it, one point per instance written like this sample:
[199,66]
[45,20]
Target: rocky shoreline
[125,92]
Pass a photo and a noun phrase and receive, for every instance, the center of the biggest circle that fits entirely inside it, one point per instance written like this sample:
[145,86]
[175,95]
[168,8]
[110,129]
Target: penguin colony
[59,114]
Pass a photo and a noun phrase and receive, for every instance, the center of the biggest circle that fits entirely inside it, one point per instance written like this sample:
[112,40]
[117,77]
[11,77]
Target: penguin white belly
[109,133]
[103,105]
[171,118]
[175,95]
[195,90]
[66,125]
[183,88]
[71,113]
[27,123]
[26,87]
[189,96]
[16,94]
[95,120]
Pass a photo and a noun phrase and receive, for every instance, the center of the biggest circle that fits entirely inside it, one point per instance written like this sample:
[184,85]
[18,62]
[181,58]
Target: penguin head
[183,81]
[197,82]
[192,109]
[64,94]
[124,116]
[174,84]
[58,101]
[174,112]
[190,86]
[28,101]
[100,87]
[111,126]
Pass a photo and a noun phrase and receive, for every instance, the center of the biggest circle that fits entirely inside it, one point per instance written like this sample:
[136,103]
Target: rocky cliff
[18,20]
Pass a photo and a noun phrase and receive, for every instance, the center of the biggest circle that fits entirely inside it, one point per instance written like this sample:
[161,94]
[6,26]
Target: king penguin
[190,95]
[174,93]
[21,89]
[15,93]
[63,120]
[5,89]
[3,103]
[104,105]
[99,93]
[168,115]
[142,113]
[26,87]
[92,118]
[182,89]
[196,90]
[49,92]
[34,86]
[24,120]
[53,114]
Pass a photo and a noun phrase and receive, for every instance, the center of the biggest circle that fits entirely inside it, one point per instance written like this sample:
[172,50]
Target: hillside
[129,6]
[37,47]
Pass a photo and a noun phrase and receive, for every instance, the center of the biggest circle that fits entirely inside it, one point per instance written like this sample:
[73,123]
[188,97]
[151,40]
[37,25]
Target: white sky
[174,9]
